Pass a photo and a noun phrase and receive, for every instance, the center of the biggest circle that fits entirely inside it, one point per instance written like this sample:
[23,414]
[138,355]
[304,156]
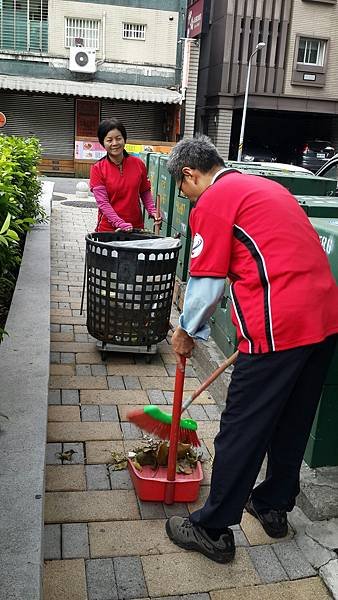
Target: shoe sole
[196,548]
[270,533]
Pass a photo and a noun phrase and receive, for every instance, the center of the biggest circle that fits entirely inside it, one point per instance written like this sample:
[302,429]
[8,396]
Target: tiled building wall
[319,20]
[159,47]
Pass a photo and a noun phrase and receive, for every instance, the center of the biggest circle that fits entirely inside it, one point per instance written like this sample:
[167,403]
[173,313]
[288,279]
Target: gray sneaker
[192,537]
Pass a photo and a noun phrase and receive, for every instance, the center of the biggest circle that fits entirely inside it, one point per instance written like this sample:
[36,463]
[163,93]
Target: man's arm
[201,297]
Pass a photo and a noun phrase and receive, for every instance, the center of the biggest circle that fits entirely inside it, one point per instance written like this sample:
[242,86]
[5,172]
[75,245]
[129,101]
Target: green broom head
[159,415]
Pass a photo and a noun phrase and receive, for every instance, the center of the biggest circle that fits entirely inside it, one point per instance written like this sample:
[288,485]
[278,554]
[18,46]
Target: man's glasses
[180,188]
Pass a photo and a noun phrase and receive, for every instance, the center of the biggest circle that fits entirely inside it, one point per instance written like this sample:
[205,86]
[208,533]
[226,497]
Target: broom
[157,422]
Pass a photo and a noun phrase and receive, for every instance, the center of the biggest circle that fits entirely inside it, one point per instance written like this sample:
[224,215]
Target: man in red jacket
[285,308]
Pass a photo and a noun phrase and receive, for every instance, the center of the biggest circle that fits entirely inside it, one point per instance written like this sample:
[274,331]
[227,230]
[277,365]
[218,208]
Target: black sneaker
[274,522]
[192,537]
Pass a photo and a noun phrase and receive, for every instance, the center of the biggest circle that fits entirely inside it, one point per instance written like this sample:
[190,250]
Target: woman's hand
[157,218]
[124,226]
[182,344]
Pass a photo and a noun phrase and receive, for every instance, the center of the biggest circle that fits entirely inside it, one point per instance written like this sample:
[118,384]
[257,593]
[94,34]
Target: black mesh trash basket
[129,290]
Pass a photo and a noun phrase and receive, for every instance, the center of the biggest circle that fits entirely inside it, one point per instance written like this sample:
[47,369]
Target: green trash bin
[180,226]
[222,328]
[153,170]
[300,183]
[144,155]
[166,191]
[322,447]
[319,206]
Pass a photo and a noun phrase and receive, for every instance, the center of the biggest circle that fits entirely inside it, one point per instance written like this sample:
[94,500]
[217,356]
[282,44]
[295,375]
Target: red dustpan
[164,484]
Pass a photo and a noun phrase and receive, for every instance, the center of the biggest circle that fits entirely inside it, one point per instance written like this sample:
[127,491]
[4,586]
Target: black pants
[271,404]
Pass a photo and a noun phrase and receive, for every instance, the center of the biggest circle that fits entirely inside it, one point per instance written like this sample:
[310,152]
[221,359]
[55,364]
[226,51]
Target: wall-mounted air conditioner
[82,60]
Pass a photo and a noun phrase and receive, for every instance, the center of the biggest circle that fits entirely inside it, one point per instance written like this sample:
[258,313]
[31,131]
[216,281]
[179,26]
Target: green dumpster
[322,447]
[153,169]
[222,328]
[184,255]
[180,226]
[166,191]
[300,183]
[144,155]
[319,206]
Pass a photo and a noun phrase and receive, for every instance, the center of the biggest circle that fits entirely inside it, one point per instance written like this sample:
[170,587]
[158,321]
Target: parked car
[313,154]
[270,166]
[253,152]
[330,169]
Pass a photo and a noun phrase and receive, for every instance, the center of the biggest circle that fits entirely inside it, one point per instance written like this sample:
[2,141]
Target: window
[85,32]
[331,173]
[310,61]
[311,52]
[24,25]
[133,31]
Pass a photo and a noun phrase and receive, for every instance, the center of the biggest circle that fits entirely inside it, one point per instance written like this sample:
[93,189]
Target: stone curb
[24,356]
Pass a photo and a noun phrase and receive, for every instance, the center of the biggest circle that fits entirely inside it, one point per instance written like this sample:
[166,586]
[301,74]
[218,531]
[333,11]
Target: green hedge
[20,188]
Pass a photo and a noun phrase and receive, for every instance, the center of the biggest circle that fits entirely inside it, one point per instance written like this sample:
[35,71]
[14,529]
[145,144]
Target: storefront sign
[92,150]
[87,118]
[88,150]
[137,148]
[195,19]
[3,119]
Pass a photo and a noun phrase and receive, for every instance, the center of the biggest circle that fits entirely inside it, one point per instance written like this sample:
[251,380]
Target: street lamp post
[245,105]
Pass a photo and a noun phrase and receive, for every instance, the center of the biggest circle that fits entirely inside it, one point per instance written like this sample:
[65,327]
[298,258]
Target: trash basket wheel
[129,291]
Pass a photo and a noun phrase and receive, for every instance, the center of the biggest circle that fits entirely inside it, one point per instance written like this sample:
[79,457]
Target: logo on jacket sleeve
[197,245]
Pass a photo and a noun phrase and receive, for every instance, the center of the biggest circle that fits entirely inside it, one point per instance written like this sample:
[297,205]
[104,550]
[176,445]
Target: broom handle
[158,213]
[229,361]
[174,433]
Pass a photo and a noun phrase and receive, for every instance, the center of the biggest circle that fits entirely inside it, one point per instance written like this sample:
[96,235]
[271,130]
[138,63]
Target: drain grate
[80,203]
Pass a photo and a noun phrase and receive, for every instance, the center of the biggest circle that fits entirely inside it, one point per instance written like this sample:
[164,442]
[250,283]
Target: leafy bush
[20,188]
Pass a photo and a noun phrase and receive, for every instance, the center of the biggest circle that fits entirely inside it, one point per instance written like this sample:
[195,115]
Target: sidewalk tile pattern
[101,542]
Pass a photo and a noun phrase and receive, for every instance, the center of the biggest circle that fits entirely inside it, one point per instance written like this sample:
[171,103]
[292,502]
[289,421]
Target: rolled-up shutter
[50,118]
[142,120]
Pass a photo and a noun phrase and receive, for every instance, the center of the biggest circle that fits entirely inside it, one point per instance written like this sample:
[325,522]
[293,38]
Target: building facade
[293,93]
[66,64]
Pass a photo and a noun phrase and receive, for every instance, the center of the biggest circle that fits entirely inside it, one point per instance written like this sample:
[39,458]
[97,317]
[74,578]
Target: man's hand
[183,345]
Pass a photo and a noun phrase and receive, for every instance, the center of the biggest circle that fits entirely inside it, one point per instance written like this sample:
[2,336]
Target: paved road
[64,185]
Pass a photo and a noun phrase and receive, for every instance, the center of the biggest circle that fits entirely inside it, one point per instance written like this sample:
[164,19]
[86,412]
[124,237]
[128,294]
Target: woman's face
[114,143]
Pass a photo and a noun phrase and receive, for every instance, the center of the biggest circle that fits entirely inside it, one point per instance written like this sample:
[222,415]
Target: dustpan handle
[229,361]
[174,432]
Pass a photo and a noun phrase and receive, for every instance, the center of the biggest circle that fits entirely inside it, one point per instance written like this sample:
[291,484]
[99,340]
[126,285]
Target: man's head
[193,163]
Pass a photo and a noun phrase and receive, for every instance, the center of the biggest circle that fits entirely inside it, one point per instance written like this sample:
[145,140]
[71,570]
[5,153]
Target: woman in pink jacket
[119,182]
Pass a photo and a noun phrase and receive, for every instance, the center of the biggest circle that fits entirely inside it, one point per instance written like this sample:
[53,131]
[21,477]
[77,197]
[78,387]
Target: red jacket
[252,230]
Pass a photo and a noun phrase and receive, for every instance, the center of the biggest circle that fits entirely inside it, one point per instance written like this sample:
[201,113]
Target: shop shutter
[142,120]
[50,118]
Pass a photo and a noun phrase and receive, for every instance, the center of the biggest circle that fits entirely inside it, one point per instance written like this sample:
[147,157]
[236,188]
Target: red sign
[195,19]
[3,119]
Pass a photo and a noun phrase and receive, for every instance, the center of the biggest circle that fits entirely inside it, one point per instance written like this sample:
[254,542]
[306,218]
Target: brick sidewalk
[101,542]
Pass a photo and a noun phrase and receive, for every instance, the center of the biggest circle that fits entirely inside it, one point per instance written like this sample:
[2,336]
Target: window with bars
[133,31]
[24,25]
[85,32]
[311,52]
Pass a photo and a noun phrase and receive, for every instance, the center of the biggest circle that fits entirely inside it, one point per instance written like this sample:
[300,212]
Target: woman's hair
[109,124]
[197,153]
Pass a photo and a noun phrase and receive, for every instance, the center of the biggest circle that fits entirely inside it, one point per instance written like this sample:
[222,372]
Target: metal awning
[90,89]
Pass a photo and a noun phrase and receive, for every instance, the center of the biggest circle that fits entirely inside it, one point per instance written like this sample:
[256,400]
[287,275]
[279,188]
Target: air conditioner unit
[82,60]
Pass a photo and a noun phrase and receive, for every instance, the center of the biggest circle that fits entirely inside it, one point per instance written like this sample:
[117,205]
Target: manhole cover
[58,198]
[80,203]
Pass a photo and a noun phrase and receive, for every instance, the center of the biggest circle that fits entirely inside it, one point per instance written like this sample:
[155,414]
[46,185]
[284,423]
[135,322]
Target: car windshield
[318,146]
